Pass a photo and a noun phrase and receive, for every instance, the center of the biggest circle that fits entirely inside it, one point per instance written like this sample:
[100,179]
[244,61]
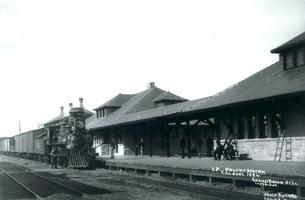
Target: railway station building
[257,111]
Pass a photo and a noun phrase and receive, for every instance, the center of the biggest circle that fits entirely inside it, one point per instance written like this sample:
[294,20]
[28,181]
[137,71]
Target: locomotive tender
[67,134]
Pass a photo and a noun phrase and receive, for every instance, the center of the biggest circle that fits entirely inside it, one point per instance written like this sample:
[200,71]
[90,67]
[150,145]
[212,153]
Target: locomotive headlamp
[80,124]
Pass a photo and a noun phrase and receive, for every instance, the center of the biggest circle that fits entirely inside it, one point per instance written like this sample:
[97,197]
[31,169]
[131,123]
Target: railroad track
[39,186]
[198,191]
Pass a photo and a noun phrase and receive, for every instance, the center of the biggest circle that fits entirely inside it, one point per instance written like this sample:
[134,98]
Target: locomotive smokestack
[62,111]
[70,105]
[81,102]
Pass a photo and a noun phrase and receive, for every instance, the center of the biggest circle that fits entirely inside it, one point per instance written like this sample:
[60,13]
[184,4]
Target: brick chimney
[62,114]
[151,85]
[81,102]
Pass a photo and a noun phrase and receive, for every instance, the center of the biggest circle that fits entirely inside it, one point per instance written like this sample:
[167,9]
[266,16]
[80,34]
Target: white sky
[53,52]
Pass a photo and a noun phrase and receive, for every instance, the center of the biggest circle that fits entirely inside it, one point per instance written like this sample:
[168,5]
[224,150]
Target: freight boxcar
[2,144]
[40,137]
[18,143]
[40,144]
[9,144]
[25,144]
[30,144]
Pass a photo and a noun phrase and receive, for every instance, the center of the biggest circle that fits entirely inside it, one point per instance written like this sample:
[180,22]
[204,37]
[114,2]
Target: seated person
[218,151]
[229,151]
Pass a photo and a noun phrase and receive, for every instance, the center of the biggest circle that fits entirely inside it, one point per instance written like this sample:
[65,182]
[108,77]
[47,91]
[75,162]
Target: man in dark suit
[182,146]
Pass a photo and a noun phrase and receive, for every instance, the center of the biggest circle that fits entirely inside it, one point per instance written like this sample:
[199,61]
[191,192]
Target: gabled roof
[137,103]
[144,115]
[143,100]
[116,101]
[55,119]
[168,96]
[270,82]
[298,40]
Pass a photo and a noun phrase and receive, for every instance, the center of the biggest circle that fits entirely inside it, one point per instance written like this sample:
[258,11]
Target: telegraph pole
[19,127]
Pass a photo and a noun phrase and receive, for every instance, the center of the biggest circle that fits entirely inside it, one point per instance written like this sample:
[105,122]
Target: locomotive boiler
[79,142]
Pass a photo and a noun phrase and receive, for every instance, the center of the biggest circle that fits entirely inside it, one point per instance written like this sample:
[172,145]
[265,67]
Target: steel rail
[22,185]
[60,184]
[50,180]
[131,182]
[142,183]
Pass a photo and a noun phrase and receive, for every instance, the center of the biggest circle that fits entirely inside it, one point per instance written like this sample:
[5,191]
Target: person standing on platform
[198,145]
[112,146]
[162,146]
[182,146]
[141,145]
[53,154]
[210,145]
[225,146]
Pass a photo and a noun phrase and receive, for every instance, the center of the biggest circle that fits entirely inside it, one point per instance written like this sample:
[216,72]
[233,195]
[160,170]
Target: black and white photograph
[152,99]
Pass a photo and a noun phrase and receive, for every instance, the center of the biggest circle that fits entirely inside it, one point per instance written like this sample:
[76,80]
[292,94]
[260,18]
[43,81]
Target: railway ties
[34,185]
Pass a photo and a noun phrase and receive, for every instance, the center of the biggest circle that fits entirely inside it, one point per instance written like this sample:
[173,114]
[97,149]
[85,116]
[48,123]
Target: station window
[241,128]
[252,127]
[289,60]
[294,58]
[265,126]
[300,60]
[278,124]
[100,113]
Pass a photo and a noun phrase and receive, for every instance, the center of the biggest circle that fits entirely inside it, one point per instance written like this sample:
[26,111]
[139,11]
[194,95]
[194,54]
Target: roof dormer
[292,53]
[112,105]
[168,98]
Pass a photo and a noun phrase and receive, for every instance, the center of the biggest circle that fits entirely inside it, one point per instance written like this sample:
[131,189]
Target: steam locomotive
[66,134]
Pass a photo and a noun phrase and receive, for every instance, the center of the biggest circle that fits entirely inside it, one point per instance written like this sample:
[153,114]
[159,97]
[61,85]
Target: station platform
[207,163]
[289,175]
